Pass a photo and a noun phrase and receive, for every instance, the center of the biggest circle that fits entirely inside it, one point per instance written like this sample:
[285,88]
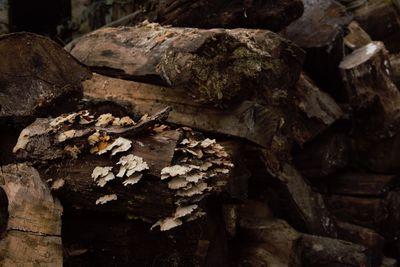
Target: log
[389,262]
[296,202]
[380,19]
[225,14]
[4,19]
[93,238]
[370,208]
[169,174]
[395,66]
[374,100]
[320,32]
[323,251]
[190,59]
[325,156]
[274,241]
[41,70]
[268,241]
[249,120]
[31,227]
[365,237]
[354,183]
[356,36]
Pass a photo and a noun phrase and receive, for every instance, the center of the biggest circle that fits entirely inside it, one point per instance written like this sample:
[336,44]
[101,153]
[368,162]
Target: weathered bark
[258,123]
[357,37]
[153,198]
[41,76]
[33,224]
[320,32]
[375,102]
[363,236]
[270,15]
[380,19]
[216,66]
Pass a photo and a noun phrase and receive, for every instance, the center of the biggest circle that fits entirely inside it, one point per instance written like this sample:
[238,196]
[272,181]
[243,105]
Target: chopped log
[33,222]
[174,169]
[380,19]
[389,262]
[225,14]
[357,37]
[267,242]
[95,239]
[325,156]
[375,100]
[363,236]
[41,70]
[4,18]
[361,184]
[395,67]
[320,32]
[302,207]
[323,251]
[378,212]
[190,59]
[248,120]
[274,241]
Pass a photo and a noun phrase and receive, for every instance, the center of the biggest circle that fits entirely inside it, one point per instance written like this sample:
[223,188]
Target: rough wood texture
[363,236]
[33,233]
[215,66]
[357,37]
[255,122]
[324,156]
[150,199]
[272,15]
[395,66]
[374,99]
[320,32]
[380,19]
[41,76]
[321,251]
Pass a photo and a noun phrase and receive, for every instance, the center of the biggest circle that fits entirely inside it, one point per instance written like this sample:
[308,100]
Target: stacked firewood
[187,137]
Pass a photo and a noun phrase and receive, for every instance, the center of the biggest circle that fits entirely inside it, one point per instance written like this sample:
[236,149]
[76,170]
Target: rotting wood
[214,66]
[40,78]
[33,233]
[374,99]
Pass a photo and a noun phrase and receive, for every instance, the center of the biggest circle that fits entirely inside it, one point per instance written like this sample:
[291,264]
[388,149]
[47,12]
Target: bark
[357,37]
[380,20]
[365,237]
[270,15]
[40,77]
[395,66]
[320,32]
[214,66]
[258,123]
[325,156]
[374,100]
[322,251]
[33,232]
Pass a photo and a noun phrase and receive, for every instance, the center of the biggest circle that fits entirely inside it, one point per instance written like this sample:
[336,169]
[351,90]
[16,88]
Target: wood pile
[264,133]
